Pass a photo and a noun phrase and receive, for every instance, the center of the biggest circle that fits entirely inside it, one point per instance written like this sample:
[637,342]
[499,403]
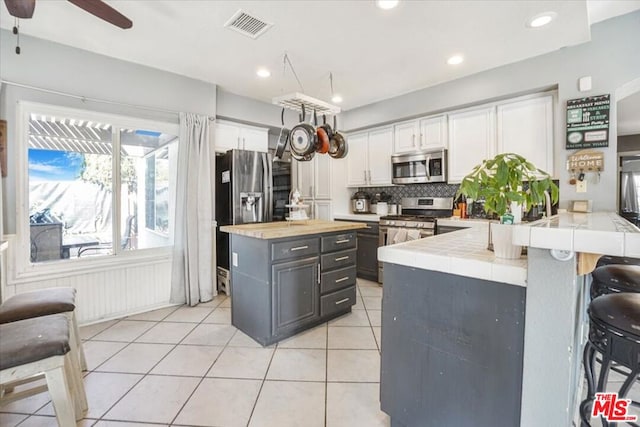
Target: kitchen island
[290,276]
[468,339]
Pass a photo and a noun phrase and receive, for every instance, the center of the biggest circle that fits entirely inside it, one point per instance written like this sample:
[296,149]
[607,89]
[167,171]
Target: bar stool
[44,302]
[610,259]
[615,278]
[614,332]
[41,346]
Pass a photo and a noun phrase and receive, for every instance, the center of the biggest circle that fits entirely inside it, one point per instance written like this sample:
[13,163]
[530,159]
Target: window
[98,185]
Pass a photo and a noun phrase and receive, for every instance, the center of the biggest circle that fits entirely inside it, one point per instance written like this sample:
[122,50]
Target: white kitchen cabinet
[369,158]
[433,133]
[379,156]
[322,176]
[526,127]
[357,159]
[322,210]
[471,140]
[313,178]
[429,133]
[228,136]
[406,137]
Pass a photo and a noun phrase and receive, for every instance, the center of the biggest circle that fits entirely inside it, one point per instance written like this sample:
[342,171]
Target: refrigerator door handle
[267,186]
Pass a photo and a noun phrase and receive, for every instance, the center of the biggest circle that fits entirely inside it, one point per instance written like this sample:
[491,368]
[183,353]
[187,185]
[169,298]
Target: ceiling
[373,54]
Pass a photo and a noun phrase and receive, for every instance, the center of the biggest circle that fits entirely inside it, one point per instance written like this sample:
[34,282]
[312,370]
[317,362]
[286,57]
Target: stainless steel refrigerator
[244,194]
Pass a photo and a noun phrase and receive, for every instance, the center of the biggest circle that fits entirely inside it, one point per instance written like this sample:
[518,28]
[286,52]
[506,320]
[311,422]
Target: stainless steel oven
[417,221]
[421,167]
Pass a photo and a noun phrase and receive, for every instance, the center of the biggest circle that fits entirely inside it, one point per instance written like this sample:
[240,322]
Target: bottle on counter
[462,205]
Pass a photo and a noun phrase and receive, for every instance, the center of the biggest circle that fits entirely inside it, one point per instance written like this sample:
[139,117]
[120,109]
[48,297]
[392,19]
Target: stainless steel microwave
[419,167]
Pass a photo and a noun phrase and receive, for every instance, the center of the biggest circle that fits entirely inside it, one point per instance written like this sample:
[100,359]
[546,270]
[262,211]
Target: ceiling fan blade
[21,8]
[103,11]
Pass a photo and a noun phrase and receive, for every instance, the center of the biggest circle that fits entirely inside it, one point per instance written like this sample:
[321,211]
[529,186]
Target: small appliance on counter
[361,202]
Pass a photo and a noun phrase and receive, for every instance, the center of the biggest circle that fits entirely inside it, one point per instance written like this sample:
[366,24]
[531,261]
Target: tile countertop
[598,233]
[358,217]
[462,252]
[459,222]
[277,230]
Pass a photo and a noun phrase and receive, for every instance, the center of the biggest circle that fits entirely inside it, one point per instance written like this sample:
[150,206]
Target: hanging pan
[303,139]
[322,145]
[338,145]
[283,138]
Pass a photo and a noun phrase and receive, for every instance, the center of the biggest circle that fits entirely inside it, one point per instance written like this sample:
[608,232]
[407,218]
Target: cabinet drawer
[338,259]
[294,248]
[339,241]
[337,279]
[337,301]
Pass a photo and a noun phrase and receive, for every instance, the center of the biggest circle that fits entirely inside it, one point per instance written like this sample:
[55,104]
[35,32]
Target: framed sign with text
[588,122]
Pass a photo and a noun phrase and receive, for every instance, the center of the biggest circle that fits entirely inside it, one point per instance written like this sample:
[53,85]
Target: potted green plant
[499,182]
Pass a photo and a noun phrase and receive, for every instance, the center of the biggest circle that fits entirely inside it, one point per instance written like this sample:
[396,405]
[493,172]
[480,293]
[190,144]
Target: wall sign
[588,122]
[586,161]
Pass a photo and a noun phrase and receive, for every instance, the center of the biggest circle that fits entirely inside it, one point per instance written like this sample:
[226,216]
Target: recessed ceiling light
[455,60]
[263,72]
[541,19]
[387,4]
[337,99]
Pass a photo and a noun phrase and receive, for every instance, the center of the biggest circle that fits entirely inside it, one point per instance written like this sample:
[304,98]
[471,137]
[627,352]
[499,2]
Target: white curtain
[192,268]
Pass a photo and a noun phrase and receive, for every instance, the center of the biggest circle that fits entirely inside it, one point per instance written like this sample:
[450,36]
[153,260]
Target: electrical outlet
[581,186]
[235,259]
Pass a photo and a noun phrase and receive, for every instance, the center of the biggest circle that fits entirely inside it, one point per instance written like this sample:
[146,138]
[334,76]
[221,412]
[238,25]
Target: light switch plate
[581,186]
[235,259]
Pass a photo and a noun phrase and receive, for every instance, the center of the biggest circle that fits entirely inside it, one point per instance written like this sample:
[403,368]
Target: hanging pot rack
[295,100]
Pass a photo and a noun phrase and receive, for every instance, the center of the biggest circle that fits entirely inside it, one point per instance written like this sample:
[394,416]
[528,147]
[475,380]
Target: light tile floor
[188,366]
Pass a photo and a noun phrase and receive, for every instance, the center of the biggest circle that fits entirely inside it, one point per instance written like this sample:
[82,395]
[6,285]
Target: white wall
[612,58]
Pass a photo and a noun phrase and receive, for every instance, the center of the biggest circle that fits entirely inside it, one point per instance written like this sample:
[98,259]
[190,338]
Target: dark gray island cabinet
[452,349]
[283,285]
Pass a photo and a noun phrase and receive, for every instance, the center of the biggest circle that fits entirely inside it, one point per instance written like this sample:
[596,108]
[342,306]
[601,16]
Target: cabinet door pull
[343,241]
[342,301]
[342,279]
[318,273]
[414,139]
[365,176]
[299,248]
[342,258]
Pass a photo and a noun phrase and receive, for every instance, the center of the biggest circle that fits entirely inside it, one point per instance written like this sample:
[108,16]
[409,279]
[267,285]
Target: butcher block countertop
[278,230]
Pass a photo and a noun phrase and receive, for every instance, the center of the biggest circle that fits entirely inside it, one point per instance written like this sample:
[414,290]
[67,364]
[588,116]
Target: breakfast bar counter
[483,331]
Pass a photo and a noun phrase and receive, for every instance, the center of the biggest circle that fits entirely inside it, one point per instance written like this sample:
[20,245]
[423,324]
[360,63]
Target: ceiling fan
[24,9]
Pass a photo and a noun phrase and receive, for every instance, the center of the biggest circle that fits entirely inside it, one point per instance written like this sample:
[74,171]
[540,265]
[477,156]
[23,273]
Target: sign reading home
[586,161]
[588,122]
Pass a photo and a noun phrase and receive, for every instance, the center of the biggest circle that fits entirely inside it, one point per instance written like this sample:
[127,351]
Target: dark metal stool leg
[588,359]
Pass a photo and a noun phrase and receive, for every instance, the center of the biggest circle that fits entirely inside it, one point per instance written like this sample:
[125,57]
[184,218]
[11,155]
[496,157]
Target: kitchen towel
[401,236]
[391,235]
[413,235]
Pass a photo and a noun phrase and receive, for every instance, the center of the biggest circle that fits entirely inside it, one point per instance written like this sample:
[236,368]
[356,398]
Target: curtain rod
[85,98]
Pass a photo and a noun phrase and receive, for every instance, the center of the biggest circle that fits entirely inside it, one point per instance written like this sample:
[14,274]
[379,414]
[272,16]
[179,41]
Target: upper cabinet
[471,140]
[369,158]
[421,134]
[229,136]
[526,127]
[313,178]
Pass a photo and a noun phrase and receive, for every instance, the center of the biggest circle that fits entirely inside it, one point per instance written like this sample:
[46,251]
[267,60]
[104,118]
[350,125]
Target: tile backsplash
[414,190]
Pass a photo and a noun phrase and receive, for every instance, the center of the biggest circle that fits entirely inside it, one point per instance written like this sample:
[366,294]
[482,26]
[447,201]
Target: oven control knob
[420,225]
[392,223]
